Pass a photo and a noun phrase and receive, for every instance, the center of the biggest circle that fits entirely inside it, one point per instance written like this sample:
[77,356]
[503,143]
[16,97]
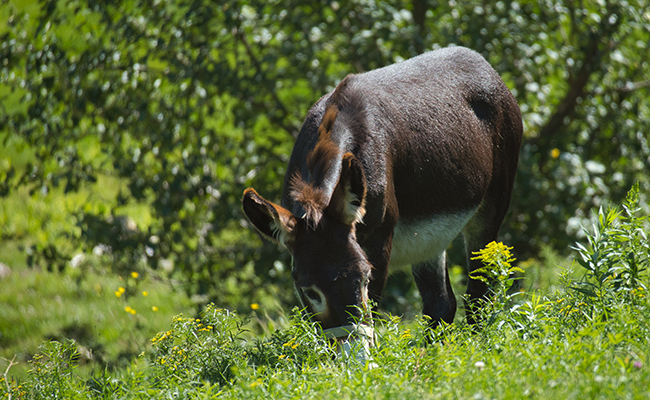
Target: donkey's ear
[273,221]
[349,198]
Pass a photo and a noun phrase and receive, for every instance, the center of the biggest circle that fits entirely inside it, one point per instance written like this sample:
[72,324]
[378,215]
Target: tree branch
[631,87]
[5,375]
[576,90]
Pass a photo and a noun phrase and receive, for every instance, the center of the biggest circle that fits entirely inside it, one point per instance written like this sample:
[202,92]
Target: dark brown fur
[409,148]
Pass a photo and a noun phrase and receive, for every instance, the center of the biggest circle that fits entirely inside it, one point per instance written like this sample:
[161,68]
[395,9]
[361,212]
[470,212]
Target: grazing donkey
[387,170]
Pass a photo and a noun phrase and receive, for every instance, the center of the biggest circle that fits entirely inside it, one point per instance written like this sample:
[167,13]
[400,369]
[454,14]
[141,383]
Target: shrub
[616,258]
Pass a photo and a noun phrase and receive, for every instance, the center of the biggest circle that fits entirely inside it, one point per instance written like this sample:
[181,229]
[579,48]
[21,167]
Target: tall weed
[499,273]
[615,259]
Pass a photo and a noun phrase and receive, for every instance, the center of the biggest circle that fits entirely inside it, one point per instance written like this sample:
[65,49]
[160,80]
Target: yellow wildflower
[255,306]
[129,310]
[135,275]
[154,308]
[495,251]
[256,383]
[118,293]
[555,153]
[145,293]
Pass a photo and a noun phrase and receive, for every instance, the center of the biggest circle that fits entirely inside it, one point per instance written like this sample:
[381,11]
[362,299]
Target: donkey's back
[426,130]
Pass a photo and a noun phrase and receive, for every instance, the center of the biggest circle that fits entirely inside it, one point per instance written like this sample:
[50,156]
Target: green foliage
[213,350]
[615,279]
[597,361]
[52,372]
[616,259]
[181,106]
[144,98]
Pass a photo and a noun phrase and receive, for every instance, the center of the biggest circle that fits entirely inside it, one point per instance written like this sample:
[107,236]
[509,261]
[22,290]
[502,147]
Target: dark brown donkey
[387,170]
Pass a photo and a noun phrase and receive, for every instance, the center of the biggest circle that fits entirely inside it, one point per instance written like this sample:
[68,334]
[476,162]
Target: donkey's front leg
[438,298]
[378,253]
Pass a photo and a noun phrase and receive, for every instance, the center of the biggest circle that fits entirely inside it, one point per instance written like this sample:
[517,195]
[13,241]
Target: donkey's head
[330,270]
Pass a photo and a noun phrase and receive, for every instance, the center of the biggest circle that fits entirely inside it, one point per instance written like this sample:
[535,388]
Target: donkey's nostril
[312,295]
[316,299]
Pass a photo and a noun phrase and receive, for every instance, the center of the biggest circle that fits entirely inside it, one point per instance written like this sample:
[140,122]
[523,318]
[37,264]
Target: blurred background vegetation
[129,131]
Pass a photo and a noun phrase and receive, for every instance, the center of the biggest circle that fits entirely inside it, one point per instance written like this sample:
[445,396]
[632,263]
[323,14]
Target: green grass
[36,305]
[579,332]
[538,347]
[210,358]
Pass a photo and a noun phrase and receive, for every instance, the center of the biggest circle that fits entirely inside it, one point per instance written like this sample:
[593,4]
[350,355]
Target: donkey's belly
[420,240]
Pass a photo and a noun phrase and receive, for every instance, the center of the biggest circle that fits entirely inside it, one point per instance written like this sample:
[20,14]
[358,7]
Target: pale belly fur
[426,239]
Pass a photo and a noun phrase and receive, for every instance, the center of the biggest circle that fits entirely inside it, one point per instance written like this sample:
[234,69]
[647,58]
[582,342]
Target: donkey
[388,169]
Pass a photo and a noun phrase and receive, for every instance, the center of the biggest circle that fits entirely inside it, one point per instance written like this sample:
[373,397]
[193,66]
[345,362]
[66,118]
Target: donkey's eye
[364,283]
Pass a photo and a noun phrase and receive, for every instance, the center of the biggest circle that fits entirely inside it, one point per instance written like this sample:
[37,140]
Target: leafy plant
[498,270]
[616,257]
[52,374]
[499,274]
[214,349]
[206,349]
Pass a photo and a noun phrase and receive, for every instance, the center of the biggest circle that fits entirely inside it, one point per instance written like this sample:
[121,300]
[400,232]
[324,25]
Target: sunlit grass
[567,330]
[210,357]
[37,306]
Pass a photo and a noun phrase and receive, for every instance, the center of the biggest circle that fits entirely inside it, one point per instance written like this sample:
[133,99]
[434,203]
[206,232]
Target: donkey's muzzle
[353,340]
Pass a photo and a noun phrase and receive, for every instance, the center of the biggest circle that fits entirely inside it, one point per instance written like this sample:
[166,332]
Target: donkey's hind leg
[438,298]
[478,233]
